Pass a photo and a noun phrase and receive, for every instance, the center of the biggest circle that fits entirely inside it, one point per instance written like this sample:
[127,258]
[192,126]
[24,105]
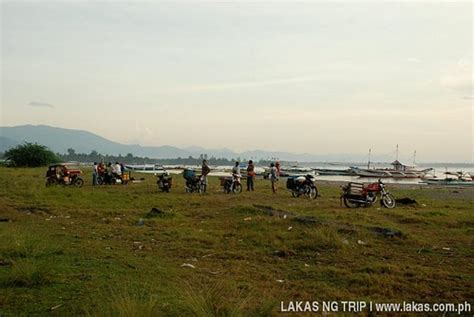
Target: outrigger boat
[374,173]
[449,182]
[328,171]
[147,168]
[399,170]
[460,179]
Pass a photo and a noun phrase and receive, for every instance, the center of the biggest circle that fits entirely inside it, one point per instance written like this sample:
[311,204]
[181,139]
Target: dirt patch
[34,209]
[387,232]
[287,214]
[157,212]
[347,231]
[269,210]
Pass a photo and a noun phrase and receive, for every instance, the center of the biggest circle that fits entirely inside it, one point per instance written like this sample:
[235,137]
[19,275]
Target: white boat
[146,168]
[399,170]
[375,173]
[449,182]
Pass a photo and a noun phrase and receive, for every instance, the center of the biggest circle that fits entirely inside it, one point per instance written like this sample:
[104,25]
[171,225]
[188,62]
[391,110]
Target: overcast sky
[317,77]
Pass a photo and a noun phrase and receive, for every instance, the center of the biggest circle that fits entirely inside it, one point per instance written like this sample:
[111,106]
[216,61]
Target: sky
[302,77]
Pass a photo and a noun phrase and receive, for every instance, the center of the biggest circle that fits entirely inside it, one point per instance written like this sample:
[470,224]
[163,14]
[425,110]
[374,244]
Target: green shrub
[30,155]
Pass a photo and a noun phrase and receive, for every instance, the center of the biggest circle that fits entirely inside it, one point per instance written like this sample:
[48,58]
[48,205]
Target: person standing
[236,170]
[109,173]
[204,171]
[101,173]
[273,177]
[250,176]
[95,174]
[118,170]
[236,176]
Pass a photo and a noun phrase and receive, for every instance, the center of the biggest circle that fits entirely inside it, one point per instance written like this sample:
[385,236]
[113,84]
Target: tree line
[34,155]
[129,158]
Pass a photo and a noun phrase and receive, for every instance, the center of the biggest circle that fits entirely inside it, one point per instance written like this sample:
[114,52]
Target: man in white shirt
[118,169]
[236,170]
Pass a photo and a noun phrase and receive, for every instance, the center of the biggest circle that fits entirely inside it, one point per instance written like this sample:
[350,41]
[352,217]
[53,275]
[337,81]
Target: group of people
[103,174]
[275,169]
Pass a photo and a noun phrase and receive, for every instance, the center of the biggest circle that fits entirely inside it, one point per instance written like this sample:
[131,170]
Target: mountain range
[60,139]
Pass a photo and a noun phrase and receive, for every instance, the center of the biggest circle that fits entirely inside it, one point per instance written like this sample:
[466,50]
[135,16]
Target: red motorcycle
[355,195]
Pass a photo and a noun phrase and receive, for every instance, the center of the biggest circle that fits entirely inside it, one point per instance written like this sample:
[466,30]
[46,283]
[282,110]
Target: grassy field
[82,251]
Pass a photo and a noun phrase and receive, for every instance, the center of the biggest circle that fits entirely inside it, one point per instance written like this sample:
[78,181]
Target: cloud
[40,104]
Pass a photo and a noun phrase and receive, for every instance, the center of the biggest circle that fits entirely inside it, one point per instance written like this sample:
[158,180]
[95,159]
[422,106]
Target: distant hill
[6,143]
[60,139]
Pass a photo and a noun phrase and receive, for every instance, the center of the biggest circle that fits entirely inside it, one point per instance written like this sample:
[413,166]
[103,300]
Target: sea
[439,171]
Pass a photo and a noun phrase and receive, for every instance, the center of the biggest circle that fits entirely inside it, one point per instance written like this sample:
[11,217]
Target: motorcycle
[164,182]
[105,179]
[231,184]
[194,183]
[355,195]
[302,185]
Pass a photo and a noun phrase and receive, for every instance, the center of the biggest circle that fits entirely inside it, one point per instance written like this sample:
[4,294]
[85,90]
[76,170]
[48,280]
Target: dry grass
[81,251]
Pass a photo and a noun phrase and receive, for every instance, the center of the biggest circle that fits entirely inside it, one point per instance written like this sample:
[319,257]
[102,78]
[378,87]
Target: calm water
[438,171]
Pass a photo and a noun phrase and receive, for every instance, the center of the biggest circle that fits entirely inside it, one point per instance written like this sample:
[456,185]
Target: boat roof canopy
[397,162]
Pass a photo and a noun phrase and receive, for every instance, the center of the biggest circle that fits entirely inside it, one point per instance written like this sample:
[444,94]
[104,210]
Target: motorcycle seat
[300,179]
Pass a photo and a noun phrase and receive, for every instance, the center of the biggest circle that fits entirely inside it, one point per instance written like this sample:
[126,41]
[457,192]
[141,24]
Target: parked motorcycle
[355,195]
[194,183]
[302,185]
[231,184]
[164,182]
[105,179]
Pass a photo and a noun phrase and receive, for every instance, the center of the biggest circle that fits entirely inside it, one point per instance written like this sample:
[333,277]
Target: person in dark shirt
[204,171]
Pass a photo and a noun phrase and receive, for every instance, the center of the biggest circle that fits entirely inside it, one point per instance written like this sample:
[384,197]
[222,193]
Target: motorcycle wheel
[350,204]
[388,201]
[100,180]
[51,182]
[237,188]
[312,192]
[375,199]
[78,182]
[295,194]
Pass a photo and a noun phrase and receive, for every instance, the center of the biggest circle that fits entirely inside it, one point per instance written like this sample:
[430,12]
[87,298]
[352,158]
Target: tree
[30,155]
